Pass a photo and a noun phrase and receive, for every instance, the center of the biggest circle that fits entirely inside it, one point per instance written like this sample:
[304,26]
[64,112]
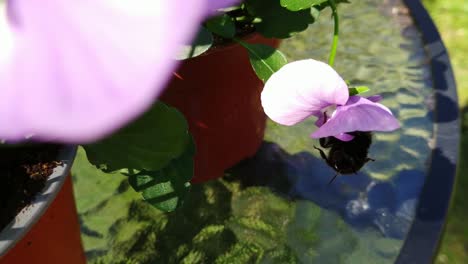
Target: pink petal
[217,4]
[320,119]
[344,137]
[214,6]
[359,114]
[375,98]
[78,70]
[301,89]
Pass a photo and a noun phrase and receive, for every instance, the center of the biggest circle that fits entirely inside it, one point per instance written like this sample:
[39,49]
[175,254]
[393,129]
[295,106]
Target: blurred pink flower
[76,71]
[312,88]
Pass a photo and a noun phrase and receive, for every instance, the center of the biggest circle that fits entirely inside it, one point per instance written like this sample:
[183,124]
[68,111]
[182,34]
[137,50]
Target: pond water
[277,206]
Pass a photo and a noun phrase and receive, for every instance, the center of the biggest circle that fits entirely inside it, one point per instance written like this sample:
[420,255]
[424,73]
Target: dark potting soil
[23,173]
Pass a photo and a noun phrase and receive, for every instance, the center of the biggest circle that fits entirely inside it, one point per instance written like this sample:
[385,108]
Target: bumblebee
[346,157]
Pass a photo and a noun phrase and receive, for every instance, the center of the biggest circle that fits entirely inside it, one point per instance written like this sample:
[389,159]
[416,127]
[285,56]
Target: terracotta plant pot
[47,231]
[219,94]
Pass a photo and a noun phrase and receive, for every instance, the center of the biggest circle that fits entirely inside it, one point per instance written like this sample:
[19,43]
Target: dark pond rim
[422,242]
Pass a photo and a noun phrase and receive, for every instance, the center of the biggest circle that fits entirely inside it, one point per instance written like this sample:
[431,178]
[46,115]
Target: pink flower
[76,71]
[312,88]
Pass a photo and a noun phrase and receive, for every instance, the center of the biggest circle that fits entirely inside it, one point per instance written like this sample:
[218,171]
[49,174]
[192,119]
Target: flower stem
[331,59]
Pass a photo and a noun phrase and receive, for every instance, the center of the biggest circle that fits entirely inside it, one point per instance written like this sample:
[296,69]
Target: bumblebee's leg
[322,154]
[325,142]
[334,177]
[369,159]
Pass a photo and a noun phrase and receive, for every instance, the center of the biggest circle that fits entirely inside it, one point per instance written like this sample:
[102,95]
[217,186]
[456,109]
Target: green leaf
[296,5]
[200,45]
[222,25]
[149,143]
[318,2]
[276,21]
[358,90]
[322,4]
[166,189]
[264,59]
